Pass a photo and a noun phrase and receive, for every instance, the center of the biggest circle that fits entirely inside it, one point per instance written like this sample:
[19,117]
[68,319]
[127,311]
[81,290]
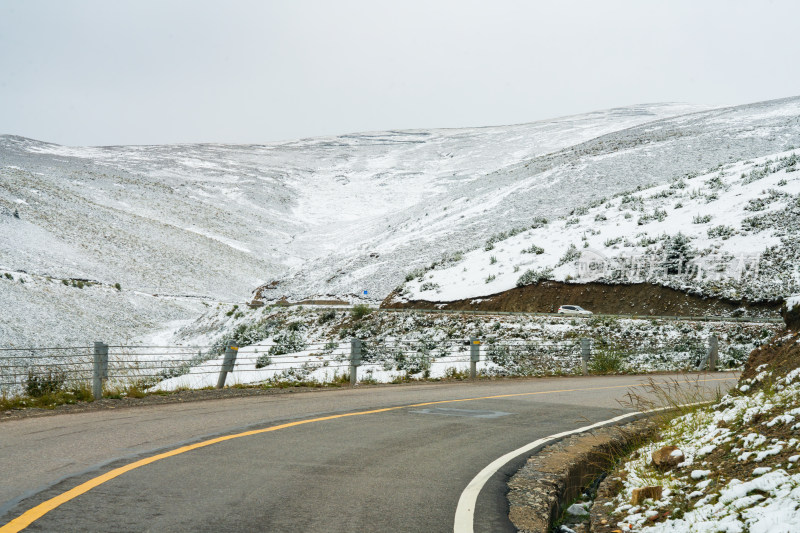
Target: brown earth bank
[635,299]
[791,317]
[781,356]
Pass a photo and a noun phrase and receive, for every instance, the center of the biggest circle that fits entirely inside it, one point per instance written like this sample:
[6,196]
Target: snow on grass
[704,499]
[313,345]
[731,232]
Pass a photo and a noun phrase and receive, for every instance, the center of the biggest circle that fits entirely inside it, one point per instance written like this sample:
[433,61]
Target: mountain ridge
[332,215]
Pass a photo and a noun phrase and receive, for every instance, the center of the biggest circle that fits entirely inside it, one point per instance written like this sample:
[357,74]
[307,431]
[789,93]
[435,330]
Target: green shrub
[331,345]
[289,342]
[533,276]
[37,386]
[606,361]
[418,273]
[118,286]
[722,231]
[533,249]
[359,311]
[327,316]
[263,360]
[572,254]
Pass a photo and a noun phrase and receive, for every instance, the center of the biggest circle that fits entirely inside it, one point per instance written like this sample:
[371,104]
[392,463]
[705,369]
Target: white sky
[147,72]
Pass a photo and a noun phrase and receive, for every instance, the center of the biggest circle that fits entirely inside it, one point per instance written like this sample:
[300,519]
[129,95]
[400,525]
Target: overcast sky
[147,72]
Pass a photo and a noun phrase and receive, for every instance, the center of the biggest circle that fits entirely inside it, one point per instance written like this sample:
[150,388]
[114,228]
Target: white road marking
[471,413]
[465,511]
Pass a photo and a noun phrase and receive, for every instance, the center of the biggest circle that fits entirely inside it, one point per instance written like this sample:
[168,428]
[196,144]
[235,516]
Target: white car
[573,310]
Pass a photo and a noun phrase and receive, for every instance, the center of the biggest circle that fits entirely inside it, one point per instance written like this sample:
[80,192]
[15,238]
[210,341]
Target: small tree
[677,253]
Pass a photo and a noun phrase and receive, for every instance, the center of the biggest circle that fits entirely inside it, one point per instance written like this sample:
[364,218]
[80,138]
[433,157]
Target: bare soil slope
[635,299]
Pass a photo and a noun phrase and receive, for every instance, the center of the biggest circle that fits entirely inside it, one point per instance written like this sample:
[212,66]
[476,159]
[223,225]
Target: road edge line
[31,515]
[464,519]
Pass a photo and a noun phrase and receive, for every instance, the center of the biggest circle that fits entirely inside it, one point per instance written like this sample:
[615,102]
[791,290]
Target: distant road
[364,459]
[776,320]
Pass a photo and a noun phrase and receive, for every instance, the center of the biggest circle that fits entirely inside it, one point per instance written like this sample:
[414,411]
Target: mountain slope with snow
[452,222]
[328,216]
[732,233]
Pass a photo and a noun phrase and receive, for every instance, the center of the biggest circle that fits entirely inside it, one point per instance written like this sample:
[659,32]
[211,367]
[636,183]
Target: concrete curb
[556,475]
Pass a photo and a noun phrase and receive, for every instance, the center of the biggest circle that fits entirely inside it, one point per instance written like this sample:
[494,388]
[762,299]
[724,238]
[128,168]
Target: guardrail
[688,318]
[756,320]
[119,369]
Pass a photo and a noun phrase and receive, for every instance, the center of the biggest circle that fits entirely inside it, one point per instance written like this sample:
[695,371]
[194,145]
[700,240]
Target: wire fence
[37,371]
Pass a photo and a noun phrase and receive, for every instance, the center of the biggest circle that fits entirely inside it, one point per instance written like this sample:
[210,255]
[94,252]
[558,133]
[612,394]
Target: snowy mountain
[451,222]
[335,216]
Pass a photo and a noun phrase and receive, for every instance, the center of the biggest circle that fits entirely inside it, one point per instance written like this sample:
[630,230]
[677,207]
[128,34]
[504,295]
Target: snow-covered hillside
[470,211]
[313,344]
[329,216]
[733,232]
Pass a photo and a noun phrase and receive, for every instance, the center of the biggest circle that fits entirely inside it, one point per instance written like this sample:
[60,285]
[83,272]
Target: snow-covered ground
[40,311]
[732,232]
[755,435]
[329,216]
[313,345]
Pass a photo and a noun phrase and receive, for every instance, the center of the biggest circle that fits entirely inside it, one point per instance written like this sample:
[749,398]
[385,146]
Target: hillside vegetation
[322,218]
[286,345]
[732,232]
[735,465]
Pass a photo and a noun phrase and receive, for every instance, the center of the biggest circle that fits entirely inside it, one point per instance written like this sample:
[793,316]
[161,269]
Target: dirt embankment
[634,299]
[781,355]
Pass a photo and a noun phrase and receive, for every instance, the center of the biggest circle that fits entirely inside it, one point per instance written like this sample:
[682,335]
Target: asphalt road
[400,469]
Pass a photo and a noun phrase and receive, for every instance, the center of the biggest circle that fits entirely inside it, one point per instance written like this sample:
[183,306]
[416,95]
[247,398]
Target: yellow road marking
[33,514]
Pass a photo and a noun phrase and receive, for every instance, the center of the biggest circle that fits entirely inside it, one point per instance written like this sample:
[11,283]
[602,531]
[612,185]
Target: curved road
[364,459]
